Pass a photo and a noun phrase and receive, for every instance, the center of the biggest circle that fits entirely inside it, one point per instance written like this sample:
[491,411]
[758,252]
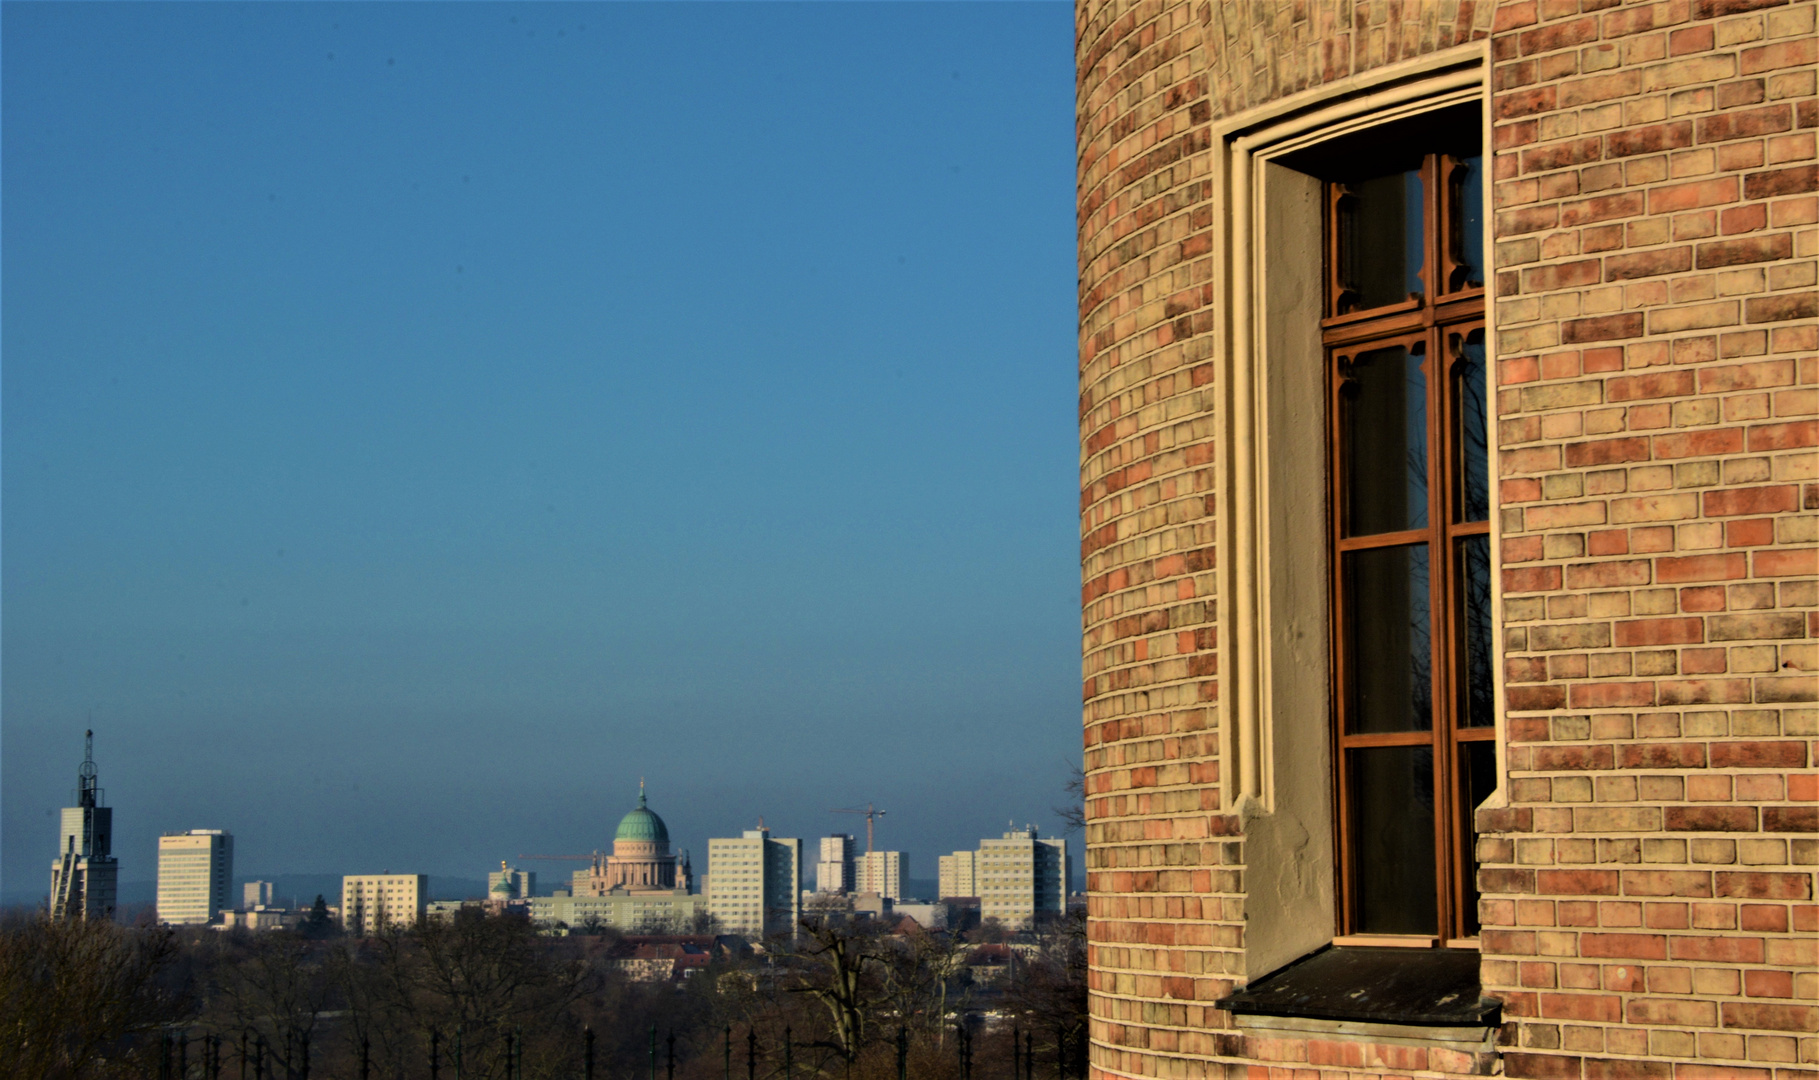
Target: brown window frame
[1437,322]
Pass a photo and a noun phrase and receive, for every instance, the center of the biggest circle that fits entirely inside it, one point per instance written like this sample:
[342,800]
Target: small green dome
[641,825]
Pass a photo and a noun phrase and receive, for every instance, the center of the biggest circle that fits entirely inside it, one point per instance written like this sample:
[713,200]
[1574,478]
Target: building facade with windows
[373,902]
[1021,877]
[883,872]
[1447,397]
[835,871]
[195,876]
[754,883]
[957,874]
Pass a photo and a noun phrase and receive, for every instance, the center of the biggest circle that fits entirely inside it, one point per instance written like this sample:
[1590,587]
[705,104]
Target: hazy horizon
[421,422]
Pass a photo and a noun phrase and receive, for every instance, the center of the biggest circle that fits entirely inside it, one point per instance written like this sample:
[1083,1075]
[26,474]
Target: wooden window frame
[1436,321]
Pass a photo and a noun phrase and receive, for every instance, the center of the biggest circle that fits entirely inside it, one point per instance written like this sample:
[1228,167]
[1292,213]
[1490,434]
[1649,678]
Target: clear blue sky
[422,421]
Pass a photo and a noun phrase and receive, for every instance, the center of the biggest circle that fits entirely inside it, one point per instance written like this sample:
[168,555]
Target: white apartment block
[885,873]
[755,883]
[834,872]
[372,902]
[195,874]
[958,874]
[1021,876]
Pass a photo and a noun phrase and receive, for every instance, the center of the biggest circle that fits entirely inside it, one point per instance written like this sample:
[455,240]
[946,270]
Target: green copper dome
[641,825]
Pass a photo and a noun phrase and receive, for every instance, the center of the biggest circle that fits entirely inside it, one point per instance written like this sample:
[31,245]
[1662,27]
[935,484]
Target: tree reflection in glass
[1386,431]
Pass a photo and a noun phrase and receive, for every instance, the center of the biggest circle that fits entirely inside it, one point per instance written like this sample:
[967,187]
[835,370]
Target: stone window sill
[1346,984]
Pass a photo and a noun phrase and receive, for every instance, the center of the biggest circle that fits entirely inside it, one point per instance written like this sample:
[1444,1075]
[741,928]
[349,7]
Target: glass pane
[1475,601]
[1389,638]
[1381,241]
[1385,402]
[1468,223]
[1472,490]
[1392,827]
[1477,779]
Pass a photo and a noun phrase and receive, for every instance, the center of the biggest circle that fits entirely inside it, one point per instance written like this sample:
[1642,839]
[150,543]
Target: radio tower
[85,877]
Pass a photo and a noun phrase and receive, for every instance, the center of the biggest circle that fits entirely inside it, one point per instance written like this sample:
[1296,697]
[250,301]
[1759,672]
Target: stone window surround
[1270,433]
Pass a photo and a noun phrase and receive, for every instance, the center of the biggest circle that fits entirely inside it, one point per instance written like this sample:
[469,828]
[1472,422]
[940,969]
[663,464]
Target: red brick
[1773,182]
[1798,1018]
[1728,502]
[1709,819]
[1726,567]
[1749,249]
[1602,328]
[1768,754]
[1641,632]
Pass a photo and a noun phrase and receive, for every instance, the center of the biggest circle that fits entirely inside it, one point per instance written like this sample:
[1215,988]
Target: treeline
[487,997]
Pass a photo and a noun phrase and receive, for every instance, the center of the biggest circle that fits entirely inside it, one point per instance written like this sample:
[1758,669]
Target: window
[1350,258]
[1409,521]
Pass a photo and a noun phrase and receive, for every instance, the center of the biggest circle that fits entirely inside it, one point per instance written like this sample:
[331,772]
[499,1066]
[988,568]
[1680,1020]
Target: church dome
[642,826]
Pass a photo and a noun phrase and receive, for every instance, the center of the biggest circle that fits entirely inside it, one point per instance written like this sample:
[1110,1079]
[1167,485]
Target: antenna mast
[87,791]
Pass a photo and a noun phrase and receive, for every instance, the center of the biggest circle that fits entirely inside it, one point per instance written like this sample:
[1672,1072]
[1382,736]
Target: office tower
[372,902]
[883,872]
[835,873]
[255,894]
[958,874]
[85,877]
[1021,876]
[755,883]
[195,872]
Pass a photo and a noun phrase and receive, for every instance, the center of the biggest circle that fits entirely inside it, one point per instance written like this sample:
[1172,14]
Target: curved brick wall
[1163,866]
[1649,886]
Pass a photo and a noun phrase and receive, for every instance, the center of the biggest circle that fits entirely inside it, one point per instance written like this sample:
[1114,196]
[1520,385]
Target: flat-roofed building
[885,873]
[1021,876]
[957,874]
[372,902]
[195,872]
[755,883]
[834,873]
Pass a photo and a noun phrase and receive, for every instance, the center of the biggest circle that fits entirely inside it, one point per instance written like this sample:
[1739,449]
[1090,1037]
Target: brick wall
[1655,257]
[1650,882]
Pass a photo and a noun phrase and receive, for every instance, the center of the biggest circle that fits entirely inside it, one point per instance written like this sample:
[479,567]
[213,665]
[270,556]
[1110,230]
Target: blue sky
[422,421]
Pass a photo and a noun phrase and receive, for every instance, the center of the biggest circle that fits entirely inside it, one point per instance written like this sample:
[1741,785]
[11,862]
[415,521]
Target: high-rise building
[883,872]
[958,874]
[85,877]
[834,873]
[511,883]
[372,902]
[1021,876]
[255,894]
[755,883]
[195,873]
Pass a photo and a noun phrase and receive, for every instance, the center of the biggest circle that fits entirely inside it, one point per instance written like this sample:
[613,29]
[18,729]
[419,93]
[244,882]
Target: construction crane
[871,812]
[596,858]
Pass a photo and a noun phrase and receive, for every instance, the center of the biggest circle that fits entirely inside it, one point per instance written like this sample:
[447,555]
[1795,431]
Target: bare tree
[77,997]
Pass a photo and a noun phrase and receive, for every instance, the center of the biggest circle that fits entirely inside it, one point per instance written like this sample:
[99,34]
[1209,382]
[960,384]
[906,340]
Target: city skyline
[412,435]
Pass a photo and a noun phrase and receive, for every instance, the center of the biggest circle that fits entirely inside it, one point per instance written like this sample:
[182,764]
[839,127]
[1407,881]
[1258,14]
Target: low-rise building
[372,902]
